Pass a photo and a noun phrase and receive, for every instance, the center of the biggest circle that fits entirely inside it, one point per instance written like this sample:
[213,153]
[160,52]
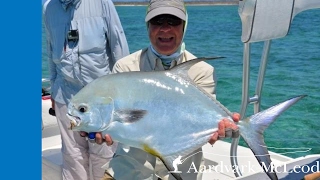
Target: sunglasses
[170,19]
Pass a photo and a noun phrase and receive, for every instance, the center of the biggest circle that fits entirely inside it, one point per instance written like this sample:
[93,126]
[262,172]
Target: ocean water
[293,68]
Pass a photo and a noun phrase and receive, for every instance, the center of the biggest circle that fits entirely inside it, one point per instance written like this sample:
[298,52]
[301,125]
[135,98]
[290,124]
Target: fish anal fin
[129,115]
[151,151]
[170,162]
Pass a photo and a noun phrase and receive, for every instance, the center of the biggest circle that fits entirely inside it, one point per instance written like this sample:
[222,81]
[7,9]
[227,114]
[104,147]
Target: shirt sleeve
[116,36]
[51,64]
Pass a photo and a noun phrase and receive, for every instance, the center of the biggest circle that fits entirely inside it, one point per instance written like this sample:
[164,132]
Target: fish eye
[82,109]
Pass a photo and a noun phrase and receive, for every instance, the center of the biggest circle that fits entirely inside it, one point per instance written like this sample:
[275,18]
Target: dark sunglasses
[171,20]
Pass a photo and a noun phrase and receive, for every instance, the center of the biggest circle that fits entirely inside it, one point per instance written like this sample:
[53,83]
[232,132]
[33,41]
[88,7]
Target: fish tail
[252,128]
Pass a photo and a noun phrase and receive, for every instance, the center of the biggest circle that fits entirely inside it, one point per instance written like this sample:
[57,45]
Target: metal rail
[262,21]
[246,100]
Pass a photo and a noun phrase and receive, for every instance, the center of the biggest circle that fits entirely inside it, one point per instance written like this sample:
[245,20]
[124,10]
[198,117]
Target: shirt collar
[67,3]
[156,63]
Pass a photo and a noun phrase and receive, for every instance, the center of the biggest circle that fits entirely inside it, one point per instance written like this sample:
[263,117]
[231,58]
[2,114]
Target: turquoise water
[292,70]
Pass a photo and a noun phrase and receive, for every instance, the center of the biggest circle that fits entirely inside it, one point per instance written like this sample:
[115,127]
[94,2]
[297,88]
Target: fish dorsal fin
[129,115]
[182,69]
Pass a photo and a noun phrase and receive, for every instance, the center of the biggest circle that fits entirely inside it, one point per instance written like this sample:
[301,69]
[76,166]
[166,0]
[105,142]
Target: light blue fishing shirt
[76,61]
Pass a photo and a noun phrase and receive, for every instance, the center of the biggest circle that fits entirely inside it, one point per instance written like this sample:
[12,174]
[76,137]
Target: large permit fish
[164,113]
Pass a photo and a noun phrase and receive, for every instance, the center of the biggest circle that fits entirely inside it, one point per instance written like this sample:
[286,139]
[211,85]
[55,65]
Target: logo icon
[175,164]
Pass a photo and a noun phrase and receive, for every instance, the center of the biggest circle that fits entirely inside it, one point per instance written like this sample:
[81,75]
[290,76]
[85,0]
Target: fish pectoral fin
[129,115]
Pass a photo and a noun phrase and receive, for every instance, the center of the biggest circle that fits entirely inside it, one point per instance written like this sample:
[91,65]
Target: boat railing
[262,21]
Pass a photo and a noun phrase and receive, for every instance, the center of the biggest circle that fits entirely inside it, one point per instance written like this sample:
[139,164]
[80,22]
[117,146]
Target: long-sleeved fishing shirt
[84,40]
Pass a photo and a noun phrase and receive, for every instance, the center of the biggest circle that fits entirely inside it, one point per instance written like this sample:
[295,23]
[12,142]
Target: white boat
[276,17]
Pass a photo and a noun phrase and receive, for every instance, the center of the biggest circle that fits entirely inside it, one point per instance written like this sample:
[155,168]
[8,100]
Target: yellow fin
[150,150]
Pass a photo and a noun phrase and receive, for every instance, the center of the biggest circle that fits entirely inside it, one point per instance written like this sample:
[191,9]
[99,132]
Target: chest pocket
[92,37]
[88,53]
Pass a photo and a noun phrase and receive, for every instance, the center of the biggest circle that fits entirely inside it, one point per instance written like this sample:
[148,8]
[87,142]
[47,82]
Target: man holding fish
[166,23]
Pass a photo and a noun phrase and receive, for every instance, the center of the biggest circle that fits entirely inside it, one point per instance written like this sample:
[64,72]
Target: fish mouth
[74,121]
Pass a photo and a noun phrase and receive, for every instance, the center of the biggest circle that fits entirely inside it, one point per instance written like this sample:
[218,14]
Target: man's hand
[226,128]
[98,138]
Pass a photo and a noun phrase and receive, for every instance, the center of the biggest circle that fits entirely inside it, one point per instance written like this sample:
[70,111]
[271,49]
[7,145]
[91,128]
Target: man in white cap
[166,23]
